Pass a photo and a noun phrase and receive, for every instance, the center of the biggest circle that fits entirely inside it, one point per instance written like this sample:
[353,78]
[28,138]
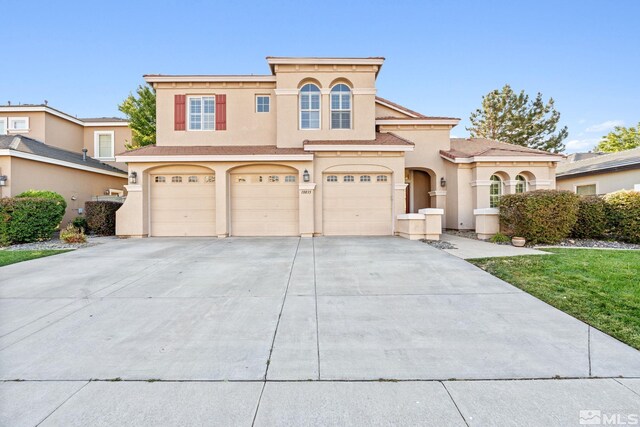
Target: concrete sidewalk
[471,248]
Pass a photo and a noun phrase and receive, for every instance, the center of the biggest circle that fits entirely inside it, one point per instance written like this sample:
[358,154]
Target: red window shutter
[180,113]
[221,112]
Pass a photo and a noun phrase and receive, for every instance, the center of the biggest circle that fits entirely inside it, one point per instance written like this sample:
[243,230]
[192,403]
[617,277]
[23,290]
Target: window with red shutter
[221,112]
[179,112]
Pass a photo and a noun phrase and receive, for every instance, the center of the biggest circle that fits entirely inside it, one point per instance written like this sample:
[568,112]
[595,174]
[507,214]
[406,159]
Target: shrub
[80,222]
[592,218]
[101,217]
[500,238]
[541,216]
[71,234]
[28,219]
[623,215]
[45,194]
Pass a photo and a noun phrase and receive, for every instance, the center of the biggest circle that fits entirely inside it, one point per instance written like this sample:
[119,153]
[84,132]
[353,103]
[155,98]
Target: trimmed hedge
[623,213]
[592,218]
[101,217]
[541,216]
[28,219]
[45,194]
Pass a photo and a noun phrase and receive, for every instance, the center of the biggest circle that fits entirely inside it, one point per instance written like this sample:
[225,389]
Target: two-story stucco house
[43,148]
[309,149]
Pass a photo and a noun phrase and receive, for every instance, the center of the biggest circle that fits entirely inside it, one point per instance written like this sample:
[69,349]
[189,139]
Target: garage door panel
[183,208]
[357,208]
[264,208]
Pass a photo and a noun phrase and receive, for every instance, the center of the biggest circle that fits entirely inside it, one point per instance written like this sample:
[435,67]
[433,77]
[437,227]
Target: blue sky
[85,57]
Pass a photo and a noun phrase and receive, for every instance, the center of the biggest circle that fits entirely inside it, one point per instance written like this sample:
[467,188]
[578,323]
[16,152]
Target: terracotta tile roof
[478,147]
[622,160]
[201,150]
[419,116]
[381,139]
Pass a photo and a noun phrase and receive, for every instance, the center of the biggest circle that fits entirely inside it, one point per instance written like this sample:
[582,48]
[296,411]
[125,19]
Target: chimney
[84,154]
[46,102]
[9,103]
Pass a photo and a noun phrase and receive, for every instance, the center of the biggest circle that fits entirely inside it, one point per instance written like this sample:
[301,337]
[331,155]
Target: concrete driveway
[288,331]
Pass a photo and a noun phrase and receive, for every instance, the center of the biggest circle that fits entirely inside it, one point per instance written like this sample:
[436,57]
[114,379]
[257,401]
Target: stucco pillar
[540,184]
[399,202]
[481,189]
[510,187]
[306,208]
[433,223]
[130,218]
[439,201]
[222,187]
[487,222]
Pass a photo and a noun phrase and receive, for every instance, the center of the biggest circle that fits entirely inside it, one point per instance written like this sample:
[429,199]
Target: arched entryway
[419,183]
[264,201]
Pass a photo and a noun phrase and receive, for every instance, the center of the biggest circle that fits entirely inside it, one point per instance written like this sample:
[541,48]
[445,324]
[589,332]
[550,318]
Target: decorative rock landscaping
[56,244]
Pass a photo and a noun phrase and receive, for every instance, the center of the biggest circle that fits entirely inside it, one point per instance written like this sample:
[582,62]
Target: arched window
[341,107]
[521,184]
[495,191]
[309,107]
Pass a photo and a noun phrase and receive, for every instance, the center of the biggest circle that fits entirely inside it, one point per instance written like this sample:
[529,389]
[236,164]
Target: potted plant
[518,241]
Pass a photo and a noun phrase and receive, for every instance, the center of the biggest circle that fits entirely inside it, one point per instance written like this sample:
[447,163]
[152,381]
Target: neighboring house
[42,148]
[309,150]
[601,174]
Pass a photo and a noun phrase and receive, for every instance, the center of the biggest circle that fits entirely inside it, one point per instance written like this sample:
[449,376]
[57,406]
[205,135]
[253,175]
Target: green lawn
[599,287]
[11,257]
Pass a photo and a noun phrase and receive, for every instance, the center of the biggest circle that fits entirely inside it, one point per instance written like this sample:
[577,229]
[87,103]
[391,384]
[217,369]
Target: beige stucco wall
[383,111]
[83,185]
[605,182]
[36,124]
[290,78]
[63,133]
[244,125]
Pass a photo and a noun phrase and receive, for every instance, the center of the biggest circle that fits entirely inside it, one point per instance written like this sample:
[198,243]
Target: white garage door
[183,205]
[357,204]
[264,204]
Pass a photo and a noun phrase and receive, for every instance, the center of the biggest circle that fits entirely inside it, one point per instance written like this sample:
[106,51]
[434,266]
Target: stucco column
[399,203]
[510,187]
[439,201]
[222,188]
[130,218]
[306,208]
[481,189]
[540,184]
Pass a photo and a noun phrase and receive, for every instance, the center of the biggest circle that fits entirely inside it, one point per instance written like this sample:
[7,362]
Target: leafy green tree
[141,112]
[511,117]
[620,139]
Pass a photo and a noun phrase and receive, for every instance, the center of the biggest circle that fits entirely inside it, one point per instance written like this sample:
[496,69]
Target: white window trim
[586,184]
[11,129]
[263,96]
[96,144]
[6,125]
[300,109]
[188,112]
[350,110]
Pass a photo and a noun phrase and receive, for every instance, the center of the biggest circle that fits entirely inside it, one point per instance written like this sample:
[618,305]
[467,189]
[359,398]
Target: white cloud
[581,145]
[605,126]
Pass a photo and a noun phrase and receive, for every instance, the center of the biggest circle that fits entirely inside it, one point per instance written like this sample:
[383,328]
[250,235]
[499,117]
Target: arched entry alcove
[419,183]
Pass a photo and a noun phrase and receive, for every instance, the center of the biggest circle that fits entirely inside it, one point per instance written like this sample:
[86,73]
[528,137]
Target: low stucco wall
[70,183]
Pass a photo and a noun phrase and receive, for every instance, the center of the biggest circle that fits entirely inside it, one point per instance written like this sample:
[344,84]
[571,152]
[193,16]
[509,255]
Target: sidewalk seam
[454,403]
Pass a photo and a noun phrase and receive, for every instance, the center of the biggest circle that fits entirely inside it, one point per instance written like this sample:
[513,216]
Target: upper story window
[202,113]
[341,107]
[3,125]
[309,107]
[262,103]
[18,124]
[495,191]
[521,184]
[103,145]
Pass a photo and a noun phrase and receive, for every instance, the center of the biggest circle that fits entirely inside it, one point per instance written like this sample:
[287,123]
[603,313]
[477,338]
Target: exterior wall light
[3,180]
[133,178]
[443,182]
[305,176]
